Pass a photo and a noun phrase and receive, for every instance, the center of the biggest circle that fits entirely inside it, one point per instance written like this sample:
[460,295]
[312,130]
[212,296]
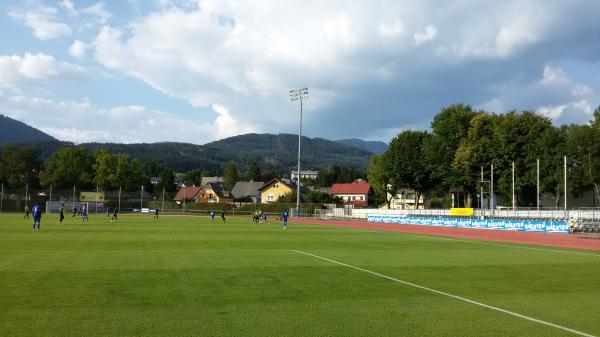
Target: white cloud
[42,19]
[99,11]
[391,29]
[34,70]
[429,34]
[82,121]
[68,6]
[77,49]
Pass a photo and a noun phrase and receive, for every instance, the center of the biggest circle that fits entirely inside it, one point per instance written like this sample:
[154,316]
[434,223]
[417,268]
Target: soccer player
[107,212]
[36,212]
[264,217]
[26,216]
[212,216]
[255,217]
[115,215]
[84,213]
[284,218]
[156,214]
[74,211]
[223,216]
[61,211]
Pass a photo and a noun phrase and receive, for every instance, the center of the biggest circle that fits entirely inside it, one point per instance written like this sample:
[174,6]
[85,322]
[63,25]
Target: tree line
[449,157]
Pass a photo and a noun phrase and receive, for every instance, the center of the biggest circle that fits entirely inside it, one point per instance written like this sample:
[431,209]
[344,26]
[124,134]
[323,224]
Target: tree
[19,166]
[405,163]
[551,149]
[473,152]
[230,175]
[253,173]
[67,167]
[380,180]
[449,128]
[105,170]
[583,142]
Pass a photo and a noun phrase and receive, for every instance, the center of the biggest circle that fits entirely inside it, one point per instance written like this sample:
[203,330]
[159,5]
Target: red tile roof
[189,192]
[352,188]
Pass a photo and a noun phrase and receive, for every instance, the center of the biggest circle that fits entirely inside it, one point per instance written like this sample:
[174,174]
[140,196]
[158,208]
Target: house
[213,192]
[206,180]
[247,190]
[405,199]
[356,193]
[277,188]
[187,193]
[304,175]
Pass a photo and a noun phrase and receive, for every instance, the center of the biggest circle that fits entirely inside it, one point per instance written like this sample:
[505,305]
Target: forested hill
[371,146]
[270,152]
[281,151]
[13,131]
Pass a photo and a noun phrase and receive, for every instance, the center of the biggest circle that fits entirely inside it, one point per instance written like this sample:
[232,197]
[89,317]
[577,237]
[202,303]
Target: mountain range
[14,131]
[276,152]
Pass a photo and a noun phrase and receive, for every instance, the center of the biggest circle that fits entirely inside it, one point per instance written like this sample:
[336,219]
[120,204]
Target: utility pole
[565,178]
[513,185]
[1,197]
[141,199]
[119,208]
[73,205]
[538,185]
[299,95]
[492,205]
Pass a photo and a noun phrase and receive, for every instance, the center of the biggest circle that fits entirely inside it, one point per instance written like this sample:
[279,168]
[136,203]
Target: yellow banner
[461,211]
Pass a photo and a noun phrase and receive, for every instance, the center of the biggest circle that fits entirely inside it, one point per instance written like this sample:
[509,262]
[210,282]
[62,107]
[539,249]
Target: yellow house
[276,188]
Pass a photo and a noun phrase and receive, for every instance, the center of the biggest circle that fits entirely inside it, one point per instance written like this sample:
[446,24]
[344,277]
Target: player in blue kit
[284,218]
[36,212]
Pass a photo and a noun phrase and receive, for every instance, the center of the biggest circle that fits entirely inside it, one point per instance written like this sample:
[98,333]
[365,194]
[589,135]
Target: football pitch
[187,276]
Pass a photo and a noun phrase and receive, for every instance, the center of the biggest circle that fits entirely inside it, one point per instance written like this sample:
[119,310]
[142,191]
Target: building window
[360,198]
[276,186]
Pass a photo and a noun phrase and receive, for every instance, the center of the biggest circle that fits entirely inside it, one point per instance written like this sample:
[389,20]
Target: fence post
[163,200]
[119,208]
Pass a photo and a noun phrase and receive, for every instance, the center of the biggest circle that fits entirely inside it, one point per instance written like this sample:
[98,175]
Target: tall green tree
[380,180]
[19,166]
[253,173]
[449,129]
[230,175]
[67,167]
[105,170]
[404,161]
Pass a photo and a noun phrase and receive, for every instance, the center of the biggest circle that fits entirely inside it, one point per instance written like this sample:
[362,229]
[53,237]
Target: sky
[197,71]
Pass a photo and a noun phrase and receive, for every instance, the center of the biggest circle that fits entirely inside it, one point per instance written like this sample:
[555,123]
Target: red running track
[577,241]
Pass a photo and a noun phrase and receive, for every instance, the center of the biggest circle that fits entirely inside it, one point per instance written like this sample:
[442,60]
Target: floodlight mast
[299,95]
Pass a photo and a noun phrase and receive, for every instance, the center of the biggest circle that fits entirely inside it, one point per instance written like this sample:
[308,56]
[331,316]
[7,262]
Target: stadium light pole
[73,205]
[299,95]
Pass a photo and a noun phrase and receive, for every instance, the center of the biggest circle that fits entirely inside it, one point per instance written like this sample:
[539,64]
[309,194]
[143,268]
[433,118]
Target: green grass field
[186,276]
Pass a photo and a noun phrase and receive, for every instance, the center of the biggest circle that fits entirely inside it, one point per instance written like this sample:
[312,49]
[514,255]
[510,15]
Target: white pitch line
[435,237]
[460,298]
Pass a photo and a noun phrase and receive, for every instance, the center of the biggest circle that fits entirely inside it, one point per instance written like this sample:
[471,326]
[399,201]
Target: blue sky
[197,71]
